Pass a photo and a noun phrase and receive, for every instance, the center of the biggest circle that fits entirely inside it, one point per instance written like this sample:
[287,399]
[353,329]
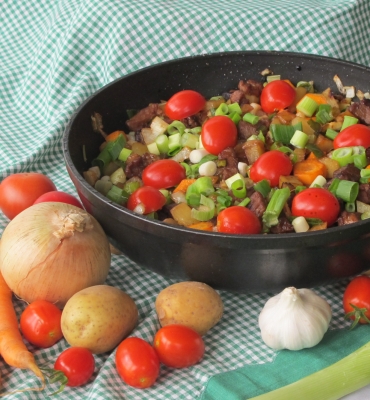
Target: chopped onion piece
[243,168]
[300,225]
[139,209]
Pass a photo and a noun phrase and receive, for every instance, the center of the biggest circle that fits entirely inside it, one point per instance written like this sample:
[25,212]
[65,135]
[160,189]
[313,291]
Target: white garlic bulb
[294,319]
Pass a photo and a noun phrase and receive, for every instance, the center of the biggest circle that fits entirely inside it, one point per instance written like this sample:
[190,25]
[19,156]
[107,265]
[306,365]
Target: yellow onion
[50,251]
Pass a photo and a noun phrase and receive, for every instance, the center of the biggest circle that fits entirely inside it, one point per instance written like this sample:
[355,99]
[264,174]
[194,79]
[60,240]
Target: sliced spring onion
[299,139]
[225,201]
[319,181]
[251,118]
[359,156]
[124,154]
[196,130]
[234,107]
[238,188]
[307,106]
[174,144]
[365,173]
[244,202]
[202,185]
[263,187]
[110,152]
[162,143]
[284,133]
[117,195]
[102,160]
[153,148]
[232,179]
[222,109]
[344,156]
[275,206]
[235,117]
[347,190]
[189,140]
[334,185]
[271,78]
[350,207]
[307,85]
[331,133]
[365,215]
[176,127]
[300,224]
[299,189]
[205,211]
[324,115]
[348,120]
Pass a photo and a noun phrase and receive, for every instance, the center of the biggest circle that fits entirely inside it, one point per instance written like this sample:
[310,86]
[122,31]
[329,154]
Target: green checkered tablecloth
[54,54]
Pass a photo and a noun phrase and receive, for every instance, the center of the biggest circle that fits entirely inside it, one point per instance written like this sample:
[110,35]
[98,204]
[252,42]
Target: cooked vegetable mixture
[273,157]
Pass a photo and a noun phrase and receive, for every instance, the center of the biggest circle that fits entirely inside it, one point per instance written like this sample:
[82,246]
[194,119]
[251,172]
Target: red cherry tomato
[184,104]
[178,346]
[40,323]
[137,363]
[277,95]
[354,135]
[356,300]
[218,133]
[163,174]
[19,191]
[238,220]
[316,203]
[59,197]
[77,364]
[271,165]
[151,199]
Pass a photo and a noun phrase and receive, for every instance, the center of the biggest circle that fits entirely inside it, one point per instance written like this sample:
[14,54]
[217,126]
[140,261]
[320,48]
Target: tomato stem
[357,314]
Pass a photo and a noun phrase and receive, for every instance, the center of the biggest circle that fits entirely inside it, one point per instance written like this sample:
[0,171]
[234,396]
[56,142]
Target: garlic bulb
[294,319]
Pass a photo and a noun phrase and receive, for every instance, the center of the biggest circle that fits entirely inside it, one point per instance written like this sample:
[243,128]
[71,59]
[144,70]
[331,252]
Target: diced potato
[289,179]
[118,176]
[253,149]
[182,215]
[139,148]
[331,165]
[158,127]
[214,104]
[324,144]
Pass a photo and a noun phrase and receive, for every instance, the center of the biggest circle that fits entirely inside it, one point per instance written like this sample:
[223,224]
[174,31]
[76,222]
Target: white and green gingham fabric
[54,54]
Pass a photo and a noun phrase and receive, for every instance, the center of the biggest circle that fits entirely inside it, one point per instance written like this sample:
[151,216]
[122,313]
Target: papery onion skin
[39,260]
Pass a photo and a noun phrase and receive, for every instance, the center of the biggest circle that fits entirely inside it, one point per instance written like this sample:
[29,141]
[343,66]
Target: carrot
[307,171]
[183,185]
[203,226]
[114,135]
[12,348]
[318,97]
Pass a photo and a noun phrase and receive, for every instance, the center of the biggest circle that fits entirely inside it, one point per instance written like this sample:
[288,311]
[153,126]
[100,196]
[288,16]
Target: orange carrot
[12,348]
[308,170]
[203,226]
[183,185]
[114,135]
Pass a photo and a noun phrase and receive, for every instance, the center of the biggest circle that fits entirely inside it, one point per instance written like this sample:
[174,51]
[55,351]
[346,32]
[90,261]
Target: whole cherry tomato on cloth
[150,198]
[271,165]
[354,135]
[184,104]
[77,364]
[19,191]
[137,362]
[316,203]
[40,323]
[163,174]
[218,133]
[238,220]
[356,300]
[178,346]
[277,95]
[59,197]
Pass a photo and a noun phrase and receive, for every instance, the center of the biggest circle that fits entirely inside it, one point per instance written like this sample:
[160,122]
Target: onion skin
[42,259]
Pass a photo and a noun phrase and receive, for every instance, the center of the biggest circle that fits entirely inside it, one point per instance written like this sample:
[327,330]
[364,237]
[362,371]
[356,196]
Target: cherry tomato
[271,165]
[184,104]
[277,95]
[218,133]
[59,197]
[19,191]
[238,220]
[77,364]
[356,300]
[40,323]
[178,346]
[163,174]
[152,199]
[316,203]
[354,135]
[137,362]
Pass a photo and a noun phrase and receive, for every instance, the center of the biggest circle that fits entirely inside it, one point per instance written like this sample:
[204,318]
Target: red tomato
[271,165]
[152,199]
[19,191]
[77,364]
[137,363]
[184,104]
[316,203]
[178,346]
[59,197]
[356,300]
[238,220]
[163,174]
[218,133]
[40,323]
[354,135]
[277,95]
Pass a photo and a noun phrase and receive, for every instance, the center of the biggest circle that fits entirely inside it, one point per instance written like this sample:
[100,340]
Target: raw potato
[193,304]
[99,318]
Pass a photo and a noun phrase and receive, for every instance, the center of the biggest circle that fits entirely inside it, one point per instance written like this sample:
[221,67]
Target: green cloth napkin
[288,367]
[54,54]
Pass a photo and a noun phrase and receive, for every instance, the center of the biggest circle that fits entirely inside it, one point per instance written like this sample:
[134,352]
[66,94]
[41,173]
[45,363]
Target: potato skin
[193,304]
[98,318]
